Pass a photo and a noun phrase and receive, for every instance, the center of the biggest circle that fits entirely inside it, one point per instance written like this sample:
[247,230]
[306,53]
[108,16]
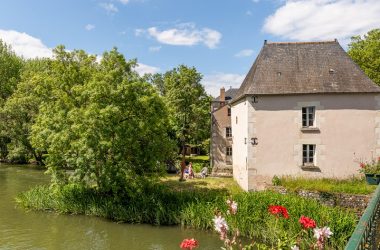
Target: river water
[20,229]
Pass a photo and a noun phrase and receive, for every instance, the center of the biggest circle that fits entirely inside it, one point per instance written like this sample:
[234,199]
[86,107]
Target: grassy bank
[193,207]
[349,186]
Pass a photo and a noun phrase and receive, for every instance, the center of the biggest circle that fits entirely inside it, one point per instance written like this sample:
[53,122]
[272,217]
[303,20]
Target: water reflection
[20,229]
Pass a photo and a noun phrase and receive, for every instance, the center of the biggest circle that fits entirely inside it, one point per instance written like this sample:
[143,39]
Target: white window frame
[308,116]
[308,154]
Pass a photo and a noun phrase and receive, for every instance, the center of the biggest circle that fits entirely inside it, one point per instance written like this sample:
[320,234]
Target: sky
[220,38]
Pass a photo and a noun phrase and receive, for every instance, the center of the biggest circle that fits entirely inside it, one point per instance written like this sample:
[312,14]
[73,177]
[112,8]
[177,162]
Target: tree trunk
[183,163]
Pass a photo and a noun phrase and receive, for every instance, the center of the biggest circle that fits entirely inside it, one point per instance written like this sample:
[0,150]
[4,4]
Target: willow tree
[101,120]
[188,105]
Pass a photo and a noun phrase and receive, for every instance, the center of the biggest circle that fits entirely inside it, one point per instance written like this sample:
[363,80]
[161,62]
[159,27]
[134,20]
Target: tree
[101,120]
[366,53]
[10,70]
[188,105]
[21,108]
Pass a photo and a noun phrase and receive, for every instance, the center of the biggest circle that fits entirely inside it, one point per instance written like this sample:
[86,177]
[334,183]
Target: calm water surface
[20,229]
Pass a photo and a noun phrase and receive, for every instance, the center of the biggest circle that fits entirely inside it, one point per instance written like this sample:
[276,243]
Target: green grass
[192,204]
[349,186]
[210,183]
[198,158]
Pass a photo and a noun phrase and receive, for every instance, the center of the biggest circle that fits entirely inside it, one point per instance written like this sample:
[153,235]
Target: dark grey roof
[231,93]
[304,68]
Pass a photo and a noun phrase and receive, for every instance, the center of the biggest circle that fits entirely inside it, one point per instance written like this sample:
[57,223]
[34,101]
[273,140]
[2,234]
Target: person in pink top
[191,172]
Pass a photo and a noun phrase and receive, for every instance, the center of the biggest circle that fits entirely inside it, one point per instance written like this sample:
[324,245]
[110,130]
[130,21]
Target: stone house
[221,133]
[304,109]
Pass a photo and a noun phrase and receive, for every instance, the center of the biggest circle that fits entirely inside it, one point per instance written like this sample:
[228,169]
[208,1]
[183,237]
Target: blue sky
[221,38]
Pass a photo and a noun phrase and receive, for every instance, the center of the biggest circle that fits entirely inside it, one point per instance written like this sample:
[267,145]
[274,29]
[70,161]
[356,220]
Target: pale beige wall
[349,132]
[219,142]
[239,149]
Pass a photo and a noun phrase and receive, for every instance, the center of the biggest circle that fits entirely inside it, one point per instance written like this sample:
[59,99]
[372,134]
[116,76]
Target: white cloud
[255,1]
[155,48]
[146,69]
[215,81]
[89,27]
[109,7]
[184,34]
[244,53]
[25,45]
[323,19]
[124,1]
[139,32]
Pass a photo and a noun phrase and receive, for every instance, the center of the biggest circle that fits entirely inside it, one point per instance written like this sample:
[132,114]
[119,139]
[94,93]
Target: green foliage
[365,51]
[160,205]
[187,102]
[350,186]
[276,181]
[99,119]
[22,107]
[10,71]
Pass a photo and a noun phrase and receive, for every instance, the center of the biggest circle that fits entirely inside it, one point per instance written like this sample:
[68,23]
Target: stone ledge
[356,202]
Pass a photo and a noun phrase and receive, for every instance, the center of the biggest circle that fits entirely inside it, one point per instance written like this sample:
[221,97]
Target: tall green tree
[102,120]
[21,108]
[365,51]
[10,71]
[188,104]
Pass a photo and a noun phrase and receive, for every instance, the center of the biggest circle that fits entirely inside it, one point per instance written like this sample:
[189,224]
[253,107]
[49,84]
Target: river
[20,229]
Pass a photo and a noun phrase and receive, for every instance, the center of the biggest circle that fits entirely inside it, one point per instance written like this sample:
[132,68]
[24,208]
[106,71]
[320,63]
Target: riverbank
[160,204]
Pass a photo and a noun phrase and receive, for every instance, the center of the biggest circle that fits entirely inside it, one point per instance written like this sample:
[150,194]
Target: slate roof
[304,68]
[231,93]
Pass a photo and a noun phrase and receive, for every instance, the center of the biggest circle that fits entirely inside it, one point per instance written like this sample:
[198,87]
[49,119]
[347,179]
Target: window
[308,154]
[229,151]
[228,132]
[236,120]
[229,111]
[308,116]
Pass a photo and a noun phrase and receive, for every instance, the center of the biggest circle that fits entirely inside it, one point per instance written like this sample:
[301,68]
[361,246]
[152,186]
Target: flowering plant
[189,244]
[306,222]
[278,210]
[372,167]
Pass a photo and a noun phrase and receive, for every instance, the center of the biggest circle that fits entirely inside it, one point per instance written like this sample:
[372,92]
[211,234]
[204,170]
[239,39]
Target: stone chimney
[222,97]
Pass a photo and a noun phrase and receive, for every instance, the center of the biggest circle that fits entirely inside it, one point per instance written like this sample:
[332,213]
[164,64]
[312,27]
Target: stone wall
[356,202]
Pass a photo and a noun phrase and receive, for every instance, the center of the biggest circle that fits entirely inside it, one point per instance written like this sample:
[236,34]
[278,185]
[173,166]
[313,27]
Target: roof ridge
[317,42]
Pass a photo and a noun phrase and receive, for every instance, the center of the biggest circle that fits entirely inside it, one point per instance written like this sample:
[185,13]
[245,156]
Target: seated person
[204,172]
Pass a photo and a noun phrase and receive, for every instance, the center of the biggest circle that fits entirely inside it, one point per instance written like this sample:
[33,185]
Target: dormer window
[308,117]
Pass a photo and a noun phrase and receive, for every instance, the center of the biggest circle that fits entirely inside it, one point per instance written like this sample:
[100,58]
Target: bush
[159,205]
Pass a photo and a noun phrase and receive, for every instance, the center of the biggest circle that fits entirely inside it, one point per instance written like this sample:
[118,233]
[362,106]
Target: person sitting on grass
[191,171]
[204,172]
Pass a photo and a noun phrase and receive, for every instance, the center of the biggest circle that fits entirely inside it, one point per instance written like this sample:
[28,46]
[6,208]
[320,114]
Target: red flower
[278,210]
[189,244]
[306,222]
[362,165]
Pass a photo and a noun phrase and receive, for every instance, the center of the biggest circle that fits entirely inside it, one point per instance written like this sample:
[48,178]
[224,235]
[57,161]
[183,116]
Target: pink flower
[189,244]
[306,222]
[278,210]
[321,234]
[324,232]
[221,226]
[232,207]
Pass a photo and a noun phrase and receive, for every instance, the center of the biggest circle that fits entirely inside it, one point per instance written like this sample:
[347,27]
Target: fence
[366,234]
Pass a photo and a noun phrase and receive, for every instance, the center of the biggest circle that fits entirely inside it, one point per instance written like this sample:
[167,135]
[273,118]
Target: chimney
[222,97]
